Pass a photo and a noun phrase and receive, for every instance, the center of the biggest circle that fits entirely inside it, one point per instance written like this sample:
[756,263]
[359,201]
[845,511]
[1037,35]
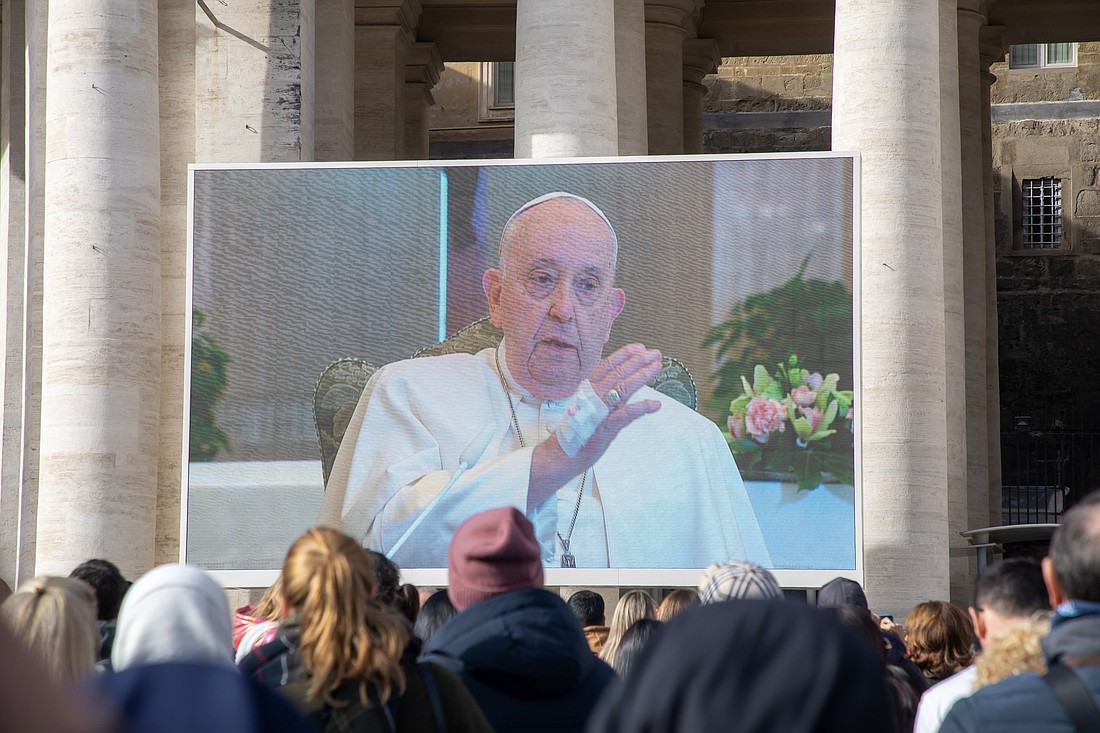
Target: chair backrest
[342,382]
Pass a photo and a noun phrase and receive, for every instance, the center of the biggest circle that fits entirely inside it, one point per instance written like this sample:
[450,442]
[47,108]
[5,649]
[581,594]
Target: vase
[814,529]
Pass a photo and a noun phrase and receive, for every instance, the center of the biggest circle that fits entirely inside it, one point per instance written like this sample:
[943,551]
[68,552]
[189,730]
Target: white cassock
[665,494]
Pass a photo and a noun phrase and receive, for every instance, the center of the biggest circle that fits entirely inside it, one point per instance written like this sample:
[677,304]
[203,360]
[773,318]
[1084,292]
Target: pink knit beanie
[492,553]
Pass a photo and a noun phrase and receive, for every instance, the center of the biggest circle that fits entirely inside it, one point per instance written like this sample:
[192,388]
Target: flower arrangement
[793,421]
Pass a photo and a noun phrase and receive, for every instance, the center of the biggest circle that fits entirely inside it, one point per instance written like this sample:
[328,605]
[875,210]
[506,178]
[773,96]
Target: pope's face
[555,298]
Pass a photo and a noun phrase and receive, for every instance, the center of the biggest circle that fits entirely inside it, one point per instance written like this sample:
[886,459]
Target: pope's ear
[618,302]
[491,284]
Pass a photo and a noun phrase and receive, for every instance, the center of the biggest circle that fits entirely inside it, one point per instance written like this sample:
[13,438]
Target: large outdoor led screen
[738,268]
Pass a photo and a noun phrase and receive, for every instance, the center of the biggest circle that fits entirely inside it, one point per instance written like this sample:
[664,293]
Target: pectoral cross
[567,558]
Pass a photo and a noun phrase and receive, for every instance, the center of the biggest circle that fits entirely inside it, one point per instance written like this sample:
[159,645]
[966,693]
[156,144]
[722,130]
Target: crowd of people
[339,644]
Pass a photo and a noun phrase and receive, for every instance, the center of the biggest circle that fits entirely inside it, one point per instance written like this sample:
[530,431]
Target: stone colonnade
[258,81]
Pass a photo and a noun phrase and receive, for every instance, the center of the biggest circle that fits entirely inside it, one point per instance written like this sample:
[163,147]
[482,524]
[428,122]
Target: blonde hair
[346,634]
[269,607]
[630,609]
[939,636]
[56,619]
[1013,651]
[678,600]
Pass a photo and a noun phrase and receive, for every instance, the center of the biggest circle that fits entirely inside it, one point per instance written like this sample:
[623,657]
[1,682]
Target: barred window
[1042,55]
[1042,213]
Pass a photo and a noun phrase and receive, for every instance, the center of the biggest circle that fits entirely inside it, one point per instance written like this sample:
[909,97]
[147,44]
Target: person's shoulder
[1022,700]
[433,365]
[432,374]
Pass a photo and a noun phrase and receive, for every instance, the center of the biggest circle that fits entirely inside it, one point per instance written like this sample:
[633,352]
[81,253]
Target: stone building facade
[104,103]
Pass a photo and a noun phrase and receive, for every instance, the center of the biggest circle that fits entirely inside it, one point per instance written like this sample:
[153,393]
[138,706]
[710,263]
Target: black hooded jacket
[525,660]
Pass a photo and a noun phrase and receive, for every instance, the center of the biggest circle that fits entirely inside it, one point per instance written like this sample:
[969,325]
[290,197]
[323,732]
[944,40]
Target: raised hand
[615,380]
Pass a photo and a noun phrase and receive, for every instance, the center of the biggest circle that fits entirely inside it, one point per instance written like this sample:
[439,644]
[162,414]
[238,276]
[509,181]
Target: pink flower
[815,380]
[764,416]
[803,396]
[736,427]
[815,416]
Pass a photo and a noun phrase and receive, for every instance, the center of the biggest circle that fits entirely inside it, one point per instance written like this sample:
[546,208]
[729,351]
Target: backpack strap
[434,698]
[1074,696]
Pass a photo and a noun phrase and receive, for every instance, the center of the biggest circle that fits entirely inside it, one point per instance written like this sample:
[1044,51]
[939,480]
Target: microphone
[466,460]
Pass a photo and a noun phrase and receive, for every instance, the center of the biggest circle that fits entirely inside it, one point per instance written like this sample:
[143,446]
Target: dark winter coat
[524,658]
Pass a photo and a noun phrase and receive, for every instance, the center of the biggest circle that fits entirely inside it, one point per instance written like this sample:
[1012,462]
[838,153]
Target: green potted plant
[208,381]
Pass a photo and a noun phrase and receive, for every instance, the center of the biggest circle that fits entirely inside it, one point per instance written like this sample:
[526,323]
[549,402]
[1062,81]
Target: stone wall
[764,104]
[1048,300]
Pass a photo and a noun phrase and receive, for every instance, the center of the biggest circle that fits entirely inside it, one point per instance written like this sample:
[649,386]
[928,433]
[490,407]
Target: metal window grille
[504,84]
[1042,213]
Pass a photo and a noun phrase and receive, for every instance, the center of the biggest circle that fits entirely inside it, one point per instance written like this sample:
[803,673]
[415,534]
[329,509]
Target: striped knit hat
[737,579]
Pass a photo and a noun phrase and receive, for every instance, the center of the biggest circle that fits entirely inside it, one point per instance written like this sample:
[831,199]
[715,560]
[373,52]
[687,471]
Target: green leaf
[760,379]
[820,434]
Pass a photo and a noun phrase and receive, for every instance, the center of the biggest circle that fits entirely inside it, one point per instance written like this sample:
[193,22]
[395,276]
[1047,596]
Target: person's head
[492,553]
[426,593]
[737,579]
[173,613]
[752,666]
[1015,650]
[407,602]
[108,583]
[554,293]
[389,578]
[435,612]
[1007,593]
[840,592]
[330,582]
[939,638]
[631,608]
[1072,569]
[676,602]
[55,619]
[634,643]
[270,607]
[588,607]
[859,620]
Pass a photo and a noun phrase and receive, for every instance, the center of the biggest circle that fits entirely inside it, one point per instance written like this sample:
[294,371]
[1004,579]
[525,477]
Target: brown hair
[55,617]
[678,600]
[346,634]
[939,635]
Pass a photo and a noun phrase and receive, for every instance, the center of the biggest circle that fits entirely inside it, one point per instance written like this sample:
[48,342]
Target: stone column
[421,74]
[700,58]
[665,32]
[13,239]
[566,102]
[886,105]
[383,37]
[992,49]
[970,19]
[101,314]
[334,137]
[35,17]
[962,562]
[254,81]
[178,109]
[630,82]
